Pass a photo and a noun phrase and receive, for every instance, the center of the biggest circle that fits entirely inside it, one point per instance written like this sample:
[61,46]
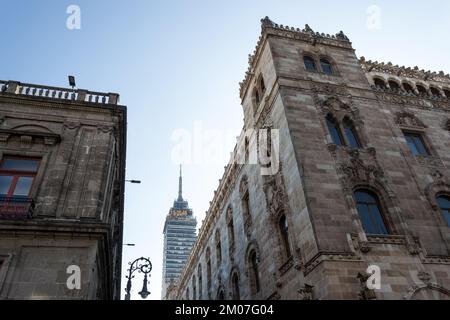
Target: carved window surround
[412,243]
[408,122]
[29,136]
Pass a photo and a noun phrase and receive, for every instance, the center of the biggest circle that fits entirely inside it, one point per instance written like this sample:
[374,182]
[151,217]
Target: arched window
[421,89]
[310,64]
[230,227]
[208,270]
[408,87]
[256,97]
[187,294]
[435,92]
[194,288]
[200,282]
[283,227]
[444,204]
[447,93]
[218,249]
[262,86]
[379,83]
[394,85]
[235,286]
[220,294]
[350,133]
[326,66]
[369,211]
[254,272]
[335,132]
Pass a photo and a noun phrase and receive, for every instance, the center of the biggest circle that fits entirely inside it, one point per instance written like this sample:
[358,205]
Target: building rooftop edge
[51,93]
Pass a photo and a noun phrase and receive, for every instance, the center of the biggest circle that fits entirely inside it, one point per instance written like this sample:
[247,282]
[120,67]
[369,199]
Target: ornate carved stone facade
[68,210]
[344,128]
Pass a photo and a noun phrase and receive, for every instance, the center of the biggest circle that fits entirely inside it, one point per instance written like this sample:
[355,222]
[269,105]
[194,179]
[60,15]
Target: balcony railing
[16,208]
[57,93]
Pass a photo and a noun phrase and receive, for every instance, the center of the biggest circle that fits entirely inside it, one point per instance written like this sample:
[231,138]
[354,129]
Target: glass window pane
[310,64]
[444,203]
[334,132]
[364,197]
[20,164]
[446,214]
[326,66]
[364,216]
[420,146]
[412,145]
[377,220]
[5,184]
[351,137]
[23,186]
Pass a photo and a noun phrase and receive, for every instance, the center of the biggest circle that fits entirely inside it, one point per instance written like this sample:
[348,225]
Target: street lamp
[141,265]
[133,181]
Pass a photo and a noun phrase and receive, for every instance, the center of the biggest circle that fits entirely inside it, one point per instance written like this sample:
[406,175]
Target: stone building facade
[363,180]
[62,165]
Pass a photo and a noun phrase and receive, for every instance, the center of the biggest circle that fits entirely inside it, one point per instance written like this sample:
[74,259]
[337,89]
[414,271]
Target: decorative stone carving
[275,194]
[406,119]
[357,171]
[440,184]
[365,293]
[306,292]
[425,277]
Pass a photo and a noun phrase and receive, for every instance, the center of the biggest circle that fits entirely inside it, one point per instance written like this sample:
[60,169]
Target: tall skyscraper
[179,238]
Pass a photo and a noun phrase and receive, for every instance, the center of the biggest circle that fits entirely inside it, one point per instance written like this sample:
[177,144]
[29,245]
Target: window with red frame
[17,175]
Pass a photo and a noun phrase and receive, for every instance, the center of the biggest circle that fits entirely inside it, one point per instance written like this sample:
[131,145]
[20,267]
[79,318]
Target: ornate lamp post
[141,265]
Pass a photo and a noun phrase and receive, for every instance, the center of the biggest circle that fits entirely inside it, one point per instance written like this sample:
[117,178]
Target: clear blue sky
[177,65]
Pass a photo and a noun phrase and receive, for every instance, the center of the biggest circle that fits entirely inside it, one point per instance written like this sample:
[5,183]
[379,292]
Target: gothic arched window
[200,281]
[370,213]
[350,133]
[447,93]
[435,92]
[421,89]
[194,288]
[235,286]
[326,66]
[335,132]
[218,250]
[220,294]
[230,227]
[283,227]
[394,85]
[254,272]
[408,87]
[379,83]
[208,270]
[444,205]
[310,64]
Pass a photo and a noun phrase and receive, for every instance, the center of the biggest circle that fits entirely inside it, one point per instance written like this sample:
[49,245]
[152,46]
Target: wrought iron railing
[16,207]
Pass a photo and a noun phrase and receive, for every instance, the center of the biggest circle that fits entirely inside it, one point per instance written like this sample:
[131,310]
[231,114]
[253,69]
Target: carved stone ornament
[357,171]
[275,194]
[365,293]
[306,292]
[406,119]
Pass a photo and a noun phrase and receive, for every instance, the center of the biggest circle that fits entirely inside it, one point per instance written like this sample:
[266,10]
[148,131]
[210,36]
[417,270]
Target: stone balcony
[8,88]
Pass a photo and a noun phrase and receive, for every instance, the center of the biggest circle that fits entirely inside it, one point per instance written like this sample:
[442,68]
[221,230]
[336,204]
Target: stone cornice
[58,104]
[401,71]
[269,28]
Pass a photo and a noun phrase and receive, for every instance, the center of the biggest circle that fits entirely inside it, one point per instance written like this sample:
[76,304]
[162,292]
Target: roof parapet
[57,93]
[396,70]
[306,34]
